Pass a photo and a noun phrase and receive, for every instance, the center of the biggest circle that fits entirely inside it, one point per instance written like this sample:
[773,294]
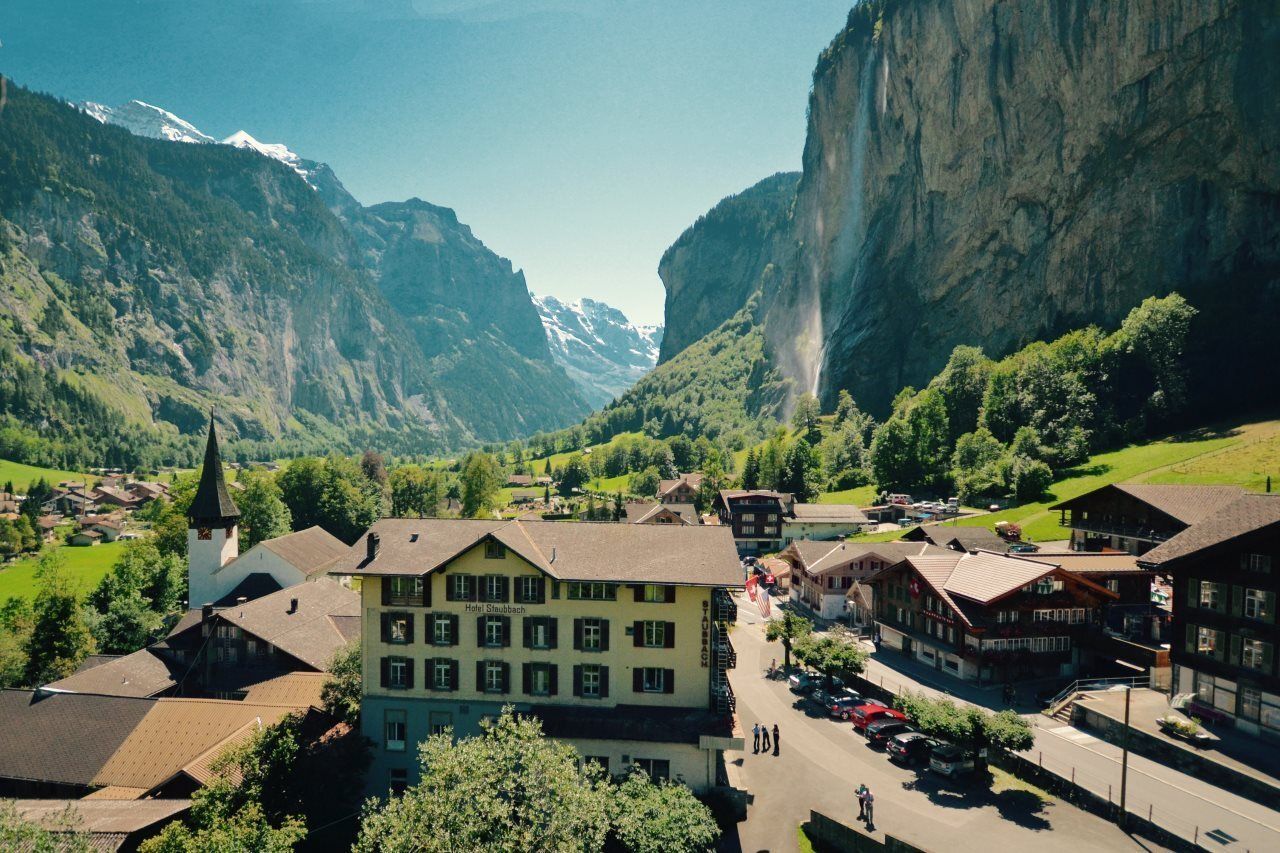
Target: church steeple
[212,506]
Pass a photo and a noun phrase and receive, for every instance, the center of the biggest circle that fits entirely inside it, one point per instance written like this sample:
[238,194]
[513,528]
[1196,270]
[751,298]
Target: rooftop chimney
[206,613]
[293,605]
[373,543]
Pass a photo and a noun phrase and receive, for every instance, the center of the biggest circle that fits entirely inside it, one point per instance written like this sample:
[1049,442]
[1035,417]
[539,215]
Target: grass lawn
[86,564]
[1238,454]
[803,842]
[22,475]
[611,485]
[1002,780]
[861,496]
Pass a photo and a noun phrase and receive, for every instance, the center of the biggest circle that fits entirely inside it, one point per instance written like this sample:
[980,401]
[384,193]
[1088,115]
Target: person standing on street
[764,731]
[870,801]
[755,749]
[862,802]
[776,739]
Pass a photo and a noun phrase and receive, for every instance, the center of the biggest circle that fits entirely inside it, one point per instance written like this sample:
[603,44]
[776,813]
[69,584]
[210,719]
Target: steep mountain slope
[143,119]
[718,262]
[1000,171]
[602,351]
[158,279]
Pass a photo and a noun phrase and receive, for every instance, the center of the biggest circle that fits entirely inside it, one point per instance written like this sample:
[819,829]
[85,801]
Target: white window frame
[590,681]
[540,634]
[492,676]
[1253,653]
[492,632]
[1206,640]
[655,594]
[529,588]
[460,586]
[1255,603]
[592,628]
[442,631]
[654,679]
[540,672]
[398,629]
[390,743]
[655,634]
[1210,595]
[493,587]
[400,665]
[592,591]
[443,667]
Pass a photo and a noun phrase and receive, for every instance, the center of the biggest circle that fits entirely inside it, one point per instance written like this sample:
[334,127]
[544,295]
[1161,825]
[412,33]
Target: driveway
[822,761]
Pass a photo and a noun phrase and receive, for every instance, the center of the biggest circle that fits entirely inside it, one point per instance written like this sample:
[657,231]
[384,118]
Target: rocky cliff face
[992,172]
[718,262]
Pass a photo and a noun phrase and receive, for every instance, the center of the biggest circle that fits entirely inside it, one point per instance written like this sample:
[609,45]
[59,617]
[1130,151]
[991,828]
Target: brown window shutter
[669,640]
[555,589]
[668,681]
[604,682]
[480,632]
[453,675]
[479,676]
[506,630]
[552,632]
[577,635]
[448,588]
[604,635]
[408,673]
[386,627]
[408,628]
[453,629]
[553,679]
[506,589]
[637,680]
[426,590]
[506,677]
[637,589]
[386,672]
[385,584]
[527,675]
[637,631]
[670,592]
[528,631]
[577,680]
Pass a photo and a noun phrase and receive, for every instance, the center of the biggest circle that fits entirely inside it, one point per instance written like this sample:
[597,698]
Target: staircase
[724,657]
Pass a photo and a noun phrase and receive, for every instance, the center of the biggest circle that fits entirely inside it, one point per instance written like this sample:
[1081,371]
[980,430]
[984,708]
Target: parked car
[807,682]
[910,747]
[841,706]
[882,731]
[864,715]
[950,760]
[823,698]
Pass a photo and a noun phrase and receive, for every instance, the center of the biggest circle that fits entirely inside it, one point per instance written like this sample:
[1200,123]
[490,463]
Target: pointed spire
[212,505]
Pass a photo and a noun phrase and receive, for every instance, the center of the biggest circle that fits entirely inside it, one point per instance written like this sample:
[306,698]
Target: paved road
[822,761]
[1178,802]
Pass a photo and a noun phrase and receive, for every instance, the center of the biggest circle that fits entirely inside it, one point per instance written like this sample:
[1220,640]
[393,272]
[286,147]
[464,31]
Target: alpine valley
[148,273]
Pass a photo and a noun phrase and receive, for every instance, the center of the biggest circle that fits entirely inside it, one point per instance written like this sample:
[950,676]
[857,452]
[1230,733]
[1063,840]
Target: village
[667,639]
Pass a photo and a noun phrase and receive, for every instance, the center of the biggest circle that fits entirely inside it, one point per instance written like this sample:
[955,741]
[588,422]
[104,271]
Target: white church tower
[213,533]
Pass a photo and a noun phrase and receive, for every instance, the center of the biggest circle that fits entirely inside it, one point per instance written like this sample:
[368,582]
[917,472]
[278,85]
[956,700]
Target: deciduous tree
[789,629]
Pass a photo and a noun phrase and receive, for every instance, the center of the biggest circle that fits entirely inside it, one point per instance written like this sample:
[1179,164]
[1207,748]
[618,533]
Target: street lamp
[1124,758]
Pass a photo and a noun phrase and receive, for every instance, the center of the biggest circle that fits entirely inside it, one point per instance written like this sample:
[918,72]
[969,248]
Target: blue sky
[576,138]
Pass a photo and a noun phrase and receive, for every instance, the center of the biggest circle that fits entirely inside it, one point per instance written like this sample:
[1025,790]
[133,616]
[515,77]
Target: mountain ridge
[601,350]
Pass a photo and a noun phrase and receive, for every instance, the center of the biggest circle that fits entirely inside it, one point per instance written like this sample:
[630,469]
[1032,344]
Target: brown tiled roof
[1087,562]
[820,557]
[831,513]
[178,732]
[1245,514]
[309,632]
[689,555]
[61,737]
[254,586]
[307,550]
[639,513]
[694,480]
[291,688]
[1188,504]
[984,576]
[970,539]
[101,816]
[143,673]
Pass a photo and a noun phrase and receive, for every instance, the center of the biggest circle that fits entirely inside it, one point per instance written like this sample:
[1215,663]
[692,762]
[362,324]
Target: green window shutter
[1237,601]
[1193,592]
[577,680]
[453,675]
[1191,638]
[453,629]
[480,632]
[1235,649]
[637,633]
[604,682]
[479,676]
[553,678]
[668,681]
[553,638]
[527,675]
[1268,657]
[670,636]
[1269,605]
[408,629]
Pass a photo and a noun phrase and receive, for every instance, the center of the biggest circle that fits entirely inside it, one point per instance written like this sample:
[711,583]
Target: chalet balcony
[1102,527]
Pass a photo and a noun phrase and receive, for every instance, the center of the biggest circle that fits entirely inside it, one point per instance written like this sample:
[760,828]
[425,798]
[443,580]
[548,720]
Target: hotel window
[1250,703]
[442,674]
[1260,563]
[1255,654]
[398,779]
[403,592]
[592,635]
[494,550]
[1259,604]
[495,676]
[593,592]
[397,673]
[653,679]
[495,588]
[654,634]
[748,517]
[655,594]
[657,768]
[539,679]
[592,676]
[442,630]
[531,590]
[493,631]
[397,628]
[1207,641]
[395,730]
[1211,595]
[462,588]
[539,632]
[440,721]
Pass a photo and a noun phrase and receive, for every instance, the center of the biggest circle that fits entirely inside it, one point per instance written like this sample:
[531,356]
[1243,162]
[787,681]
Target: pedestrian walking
[764,738]
[756,739]
[871,803]
[862,802]
[777,739]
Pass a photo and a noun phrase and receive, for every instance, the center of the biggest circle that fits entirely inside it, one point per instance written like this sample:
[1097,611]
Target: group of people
[761,733]
[866,806]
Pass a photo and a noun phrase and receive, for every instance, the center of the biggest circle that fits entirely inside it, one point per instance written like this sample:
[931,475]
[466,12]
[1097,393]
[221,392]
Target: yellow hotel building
[614,635]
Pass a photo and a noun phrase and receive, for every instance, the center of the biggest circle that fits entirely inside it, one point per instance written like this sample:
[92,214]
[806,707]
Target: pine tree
[751,470]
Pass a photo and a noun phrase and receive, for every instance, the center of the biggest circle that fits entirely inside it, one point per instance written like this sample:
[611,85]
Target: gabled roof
[640,513]
[689,555]
[820,557]
[694,480]
[255,585]
[829,513]
[212,501]
[1246,514]
[176,733]
[1187,504]
[97,817]
[141,674]
[63,737]
[290,688]
[306,550]
[1090,562]
[309,632]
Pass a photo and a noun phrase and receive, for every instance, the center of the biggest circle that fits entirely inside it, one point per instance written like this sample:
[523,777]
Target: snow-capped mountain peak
[601,350]
[274,150]
[143,119]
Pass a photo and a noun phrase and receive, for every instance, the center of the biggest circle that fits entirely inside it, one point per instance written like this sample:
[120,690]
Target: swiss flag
[752,582]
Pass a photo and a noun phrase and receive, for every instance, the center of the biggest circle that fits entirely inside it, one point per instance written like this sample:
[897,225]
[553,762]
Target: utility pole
[1124,759]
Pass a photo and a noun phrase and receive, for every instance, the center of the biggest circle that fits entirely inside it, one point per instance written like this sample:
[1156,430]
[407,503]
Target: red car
[864,714]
